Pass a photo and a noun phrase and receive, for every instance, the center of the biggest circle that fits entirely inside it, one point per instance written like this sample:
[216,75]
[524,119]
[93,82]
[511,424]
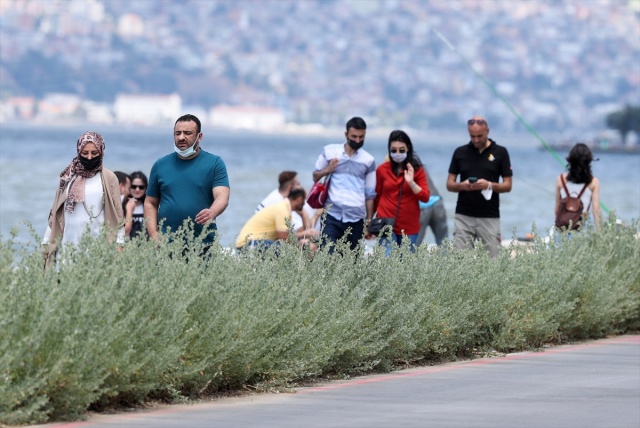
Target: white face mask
[186,152]
[398,157]
[488,192]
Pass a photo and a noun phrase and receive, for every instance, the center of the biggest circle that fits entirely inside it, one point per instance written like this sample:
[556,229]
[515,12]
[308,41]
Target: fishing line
[533,183]
[509,106]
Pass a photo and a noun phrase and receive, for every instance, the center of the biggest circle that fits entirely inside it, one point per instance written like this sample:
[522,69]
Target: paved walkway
[594,384]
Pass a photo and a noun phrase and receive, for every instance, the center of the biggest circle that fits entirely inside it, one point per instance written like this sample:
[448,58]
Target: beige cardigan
[113,215]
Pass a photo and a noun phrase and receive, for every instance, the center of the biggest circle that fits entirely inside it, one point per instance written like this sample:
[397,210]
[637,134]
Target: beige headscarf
[76,173]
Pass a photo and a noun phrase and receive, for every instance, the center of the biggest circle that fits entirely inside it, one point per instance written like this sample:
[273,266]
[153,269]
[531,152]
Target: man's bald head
[478,132]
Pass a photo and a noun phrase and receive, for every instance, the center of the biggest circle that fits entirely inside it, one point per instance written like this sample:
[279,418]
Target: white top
[78,222]
[310,213]
[138,209]
[274,197]
[271,199]
[574,191]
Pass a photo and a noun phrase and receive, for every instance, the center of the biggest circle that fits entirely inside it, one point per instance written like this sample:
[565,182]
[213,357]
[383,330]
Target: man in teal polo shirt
[188,184]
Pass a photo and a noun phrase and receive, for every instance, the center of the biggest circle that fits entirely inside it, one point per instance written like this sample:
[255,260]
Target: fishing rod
[509,106]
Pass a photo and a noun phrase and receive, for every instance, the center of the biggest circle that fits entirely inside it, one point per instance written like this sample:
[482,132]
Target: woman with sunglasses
[87,198]
[400,184]
[134,209]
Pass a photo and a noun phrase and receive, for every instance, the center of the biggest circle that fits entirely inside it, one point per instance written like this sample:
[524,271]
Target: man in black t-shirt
[480,164]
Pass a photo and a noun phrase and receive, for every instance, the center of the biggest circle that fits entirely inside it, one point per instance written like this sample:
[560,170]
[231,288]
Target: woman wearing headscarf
[88,195]
[400,184]
[579,180]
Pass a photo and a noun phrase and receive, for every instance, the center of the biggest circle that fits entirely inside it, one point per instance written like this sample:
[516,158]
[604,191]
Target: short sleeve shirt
[274,197]
[185,187]
[491,164]
[266,223]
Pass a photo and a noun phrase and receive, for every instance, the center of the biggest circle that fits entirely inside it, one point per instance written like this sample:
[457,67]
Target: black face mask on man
[90,164]
[355,145]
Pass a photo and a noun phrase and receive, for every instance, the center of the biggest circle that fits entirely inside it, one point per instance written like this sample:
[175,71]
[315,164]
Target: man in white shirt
[287,180]
[353,186]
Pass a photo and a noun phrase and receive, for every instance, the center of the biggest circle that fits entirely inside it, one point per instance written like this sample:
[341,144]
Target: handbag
[319,192]
[378,224]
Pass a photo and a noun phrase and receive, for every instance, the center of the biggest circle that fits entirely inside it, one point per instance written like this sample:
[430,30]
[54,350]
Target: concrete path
[594,384]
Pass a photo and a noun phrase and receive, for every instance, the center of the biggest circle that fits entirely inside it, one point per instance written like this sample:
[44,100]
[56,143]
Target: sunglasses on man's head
[398,151]
[476,121]
[138,186]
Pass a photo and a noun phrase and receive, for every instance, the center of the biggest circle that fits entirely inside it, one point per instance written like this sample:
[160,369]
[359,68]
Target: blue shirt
[185,187]
[351,184]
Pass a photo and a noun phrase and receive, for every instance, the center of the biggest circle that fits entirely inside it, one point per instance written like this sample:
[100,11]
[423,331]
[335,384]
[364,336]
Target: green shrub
[113,327]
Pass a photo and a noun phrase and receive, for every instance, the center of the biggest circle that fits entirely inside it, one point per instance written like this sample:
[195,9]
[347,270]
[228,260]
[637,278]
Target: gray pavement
[594,384]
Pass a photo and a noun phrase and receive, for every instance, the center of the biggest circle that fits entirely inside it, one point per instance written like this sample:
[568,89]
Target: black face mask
[354,145]
[90,164]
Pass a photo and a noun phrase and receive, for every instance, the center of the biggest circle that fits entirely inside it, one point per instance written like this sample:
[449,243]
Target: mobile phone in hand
[473,179]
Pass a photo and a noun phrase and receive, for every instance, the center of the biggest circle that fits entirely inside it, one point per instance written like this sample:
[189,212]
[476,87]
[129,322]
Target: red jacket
[388,191]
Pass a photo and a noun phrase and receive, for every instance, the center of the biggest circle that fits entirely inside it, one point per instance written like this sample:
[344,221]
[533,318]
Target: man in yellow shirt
[269,225]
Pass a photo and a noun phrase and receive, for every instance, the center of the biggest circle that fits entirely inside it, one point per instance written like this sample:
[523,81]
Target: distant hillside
[556,62]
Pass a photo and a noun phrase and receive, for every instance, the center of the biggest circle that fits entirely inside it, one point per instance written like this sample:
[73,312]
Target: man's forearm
[369,205]
[220,202]
[218,206]
[317,175]
[452,184]
[306,221]
[151,218]
[501,187]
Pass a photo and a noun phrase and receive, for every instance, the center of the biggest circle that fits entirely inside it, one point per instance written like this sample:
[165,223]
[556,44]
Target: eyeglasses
[138,186]
[398,151]
[476,121]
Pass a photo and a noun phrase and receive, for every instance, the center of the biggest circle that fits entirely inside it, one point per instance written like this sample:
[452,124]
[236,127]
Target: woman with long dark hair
[400,184]
[577,177]
[134,209]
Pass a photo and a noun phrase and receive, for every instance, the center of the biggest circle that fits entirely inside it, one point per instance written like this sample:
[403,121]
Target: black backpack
[569,215]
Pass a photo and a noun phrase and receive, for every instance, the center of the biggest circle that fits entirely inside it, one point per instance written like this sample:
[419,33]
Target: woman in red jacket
[400,184]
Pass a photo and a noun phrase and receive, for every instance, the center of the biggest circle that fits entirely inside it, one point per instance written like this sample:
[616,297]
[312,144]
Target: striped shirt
[352,182]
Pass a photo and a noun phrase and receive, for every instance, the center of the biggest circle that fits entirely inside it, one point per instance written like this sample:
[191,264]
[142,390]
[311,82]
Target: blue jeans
[385,241]
[334,229]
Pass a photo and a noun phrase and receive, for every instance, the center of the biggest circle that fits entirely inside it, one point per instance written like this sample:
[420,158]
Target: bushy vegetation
[625,121]
[153,321]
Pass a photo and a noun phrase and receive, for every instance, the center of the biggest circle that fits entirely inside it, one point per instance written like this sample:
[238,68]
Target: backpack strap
[564,184]
[582,191]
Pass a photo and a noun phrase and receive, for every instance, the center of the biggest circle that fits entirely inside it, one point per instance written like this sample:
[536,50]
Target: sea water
[32,157]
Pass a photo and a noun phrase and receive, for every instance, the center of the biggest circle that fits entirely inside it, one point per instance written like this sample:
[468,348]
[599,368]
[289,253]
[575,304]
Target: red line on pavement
[383,378]
[465,364]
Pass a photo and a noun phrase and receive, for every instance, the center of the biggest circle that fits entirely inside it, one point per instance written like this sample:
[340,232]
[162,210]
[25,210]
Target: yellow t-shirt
[266,223]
